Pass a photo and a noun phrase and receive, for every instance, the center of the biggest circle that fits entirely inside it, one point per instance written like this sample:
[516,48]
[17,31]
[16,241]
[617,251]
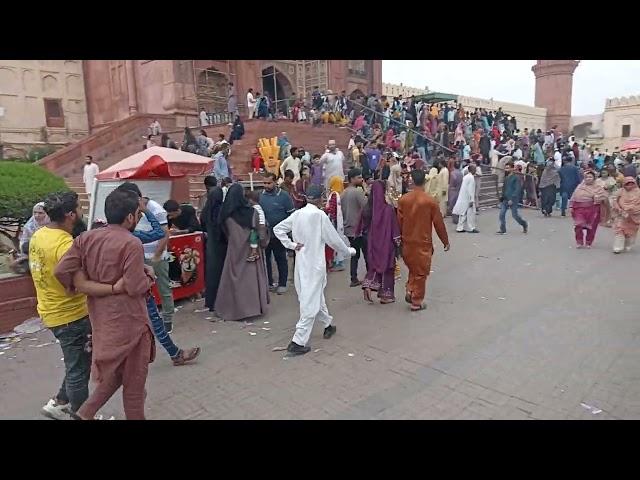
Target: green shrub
[37,153]
[22,185]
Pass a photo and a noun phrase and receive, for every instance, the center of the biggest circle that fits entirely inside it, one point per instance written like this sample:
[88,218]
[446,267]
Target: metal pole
[251,180]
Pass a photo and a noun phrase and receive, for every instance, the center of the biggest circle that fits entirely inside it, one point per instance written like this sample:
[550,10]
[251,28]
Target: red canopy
[631,144]
[158,162]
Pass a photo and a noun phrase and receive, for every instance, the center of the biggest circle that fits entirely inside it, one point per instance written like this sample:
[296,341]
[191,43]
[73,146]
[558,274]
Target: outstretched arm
[330,237]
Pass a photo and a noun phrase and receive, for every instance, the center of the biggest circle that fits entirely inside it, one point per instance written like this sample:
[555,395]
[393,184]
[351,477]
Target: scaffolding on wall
[211,91]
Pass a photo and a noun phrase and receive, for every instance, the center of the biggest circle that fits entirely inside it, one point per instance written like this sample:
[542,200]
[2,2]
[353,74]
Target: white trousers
[621,243]
[252,110]
[305,324]
[468,218]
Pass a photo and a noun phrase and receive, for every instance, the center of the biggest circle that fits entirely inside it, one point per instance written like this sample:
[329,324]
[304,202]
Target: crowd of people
[408,166]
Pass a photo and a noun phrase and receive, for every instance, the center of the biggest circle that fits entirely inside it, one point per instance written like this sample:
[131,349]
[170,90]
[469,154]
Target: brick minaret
[554,82]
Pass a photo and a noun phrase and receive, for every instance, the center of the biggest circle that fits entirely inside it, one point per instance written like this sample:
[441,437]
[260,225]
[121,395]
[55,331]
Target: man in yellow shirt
[65,314]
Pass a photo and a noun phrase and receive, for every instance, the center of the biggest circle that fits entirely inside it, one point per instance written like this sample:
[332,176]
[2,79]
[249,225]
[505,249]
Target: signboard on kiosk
[161,174]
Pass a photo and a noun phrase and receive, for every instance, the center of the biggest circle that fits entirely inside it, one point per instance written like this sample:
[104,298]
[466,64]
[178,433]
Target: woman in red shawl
[380,222]
[626,207]
[585,205]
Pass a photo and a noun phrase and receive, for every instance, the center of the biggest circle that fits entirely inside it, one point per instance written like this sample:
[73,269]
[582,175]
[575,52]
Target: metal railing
[377,114]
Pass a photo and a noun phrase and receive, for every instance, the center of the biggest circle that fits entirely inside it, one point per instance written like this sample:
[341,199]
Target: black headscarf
[211,210]
[237,207]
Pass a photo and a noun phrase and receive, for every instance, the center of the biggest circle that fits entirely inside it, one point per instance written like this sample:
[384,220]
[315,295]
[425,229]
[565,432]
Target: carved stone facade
[54,102]
[118,88]
[42,104]
[554,85]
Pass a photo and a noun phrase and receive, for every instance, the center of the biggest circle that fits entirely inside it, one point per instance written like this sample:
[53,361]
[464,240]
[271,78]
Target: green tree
[22,185]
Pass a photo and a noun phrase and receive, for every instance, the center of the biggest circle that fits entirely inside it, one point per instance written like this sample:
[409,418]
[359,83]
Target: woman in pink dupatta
[388,138]
[626,206]
[359,123]
[585,206]
[380,223]
[459,137]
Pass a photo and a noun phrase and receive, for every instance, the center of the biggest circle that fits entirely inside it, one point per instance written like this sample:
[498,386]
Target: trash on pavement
[200,310]
[278,349]
[33,325]
[351,354]
[252,333]
[266,328]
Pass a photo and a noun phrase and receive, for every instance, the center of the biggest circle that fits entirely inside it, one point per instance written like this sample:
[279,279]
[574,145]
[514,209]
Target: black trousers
[280,254]
[360,244]
[548,195]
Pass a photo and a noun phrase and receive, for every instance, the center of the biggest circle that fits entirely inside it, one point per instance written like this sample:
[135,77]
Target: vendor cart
[161,174]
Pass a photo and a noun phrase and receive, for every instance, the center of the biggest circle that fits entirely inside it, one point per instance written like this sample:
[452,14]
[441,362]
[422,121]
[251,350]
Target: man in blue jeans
[178,355]
[277,206]
[569,180]
[511,194]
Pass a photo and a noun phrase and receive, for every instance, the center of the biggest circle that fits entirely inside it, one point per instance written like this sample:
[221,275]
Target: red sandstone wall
[106,91]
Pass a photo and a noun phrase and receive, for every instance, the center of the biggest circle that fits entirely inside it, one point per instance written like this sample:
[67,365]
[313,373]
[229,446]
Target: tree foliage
[22,185]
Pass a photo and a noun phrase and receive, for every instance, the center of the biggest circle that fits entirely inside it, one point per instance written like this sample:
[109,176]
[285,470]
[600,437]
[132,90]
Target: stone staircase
[312,139]
[488,196]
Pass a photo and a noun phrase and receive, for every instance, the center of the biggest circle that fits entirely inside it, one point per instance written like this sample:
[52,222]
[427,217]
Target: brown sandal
[185,356]
[367,295]
[417,308]
[386,301]
[253,258]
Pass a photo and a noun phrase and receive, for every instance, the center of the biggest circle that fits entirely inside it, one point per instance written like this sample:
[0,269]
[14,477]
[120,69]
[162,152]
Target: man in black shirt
[182,217]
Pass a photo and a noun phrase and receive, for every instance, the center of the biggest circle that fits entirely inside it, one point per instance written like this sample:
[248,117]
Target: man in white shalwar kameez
[333,162]
[311,230]
[465,205]
[89,174]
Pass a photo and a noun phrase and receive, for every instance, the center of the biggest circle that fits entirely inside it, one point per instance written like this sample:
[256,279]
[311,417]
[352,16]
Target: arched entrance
[278,86]
[356,93]
[211,90]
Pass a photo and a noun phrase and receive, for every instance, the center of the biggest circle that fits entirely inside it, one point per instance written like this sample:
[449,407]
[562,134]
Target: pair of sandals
[368,299]
[414,308]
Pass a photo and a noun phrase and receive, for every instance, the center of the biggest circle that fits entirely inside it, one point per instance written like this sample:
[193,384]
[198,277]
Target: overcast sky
[513,80]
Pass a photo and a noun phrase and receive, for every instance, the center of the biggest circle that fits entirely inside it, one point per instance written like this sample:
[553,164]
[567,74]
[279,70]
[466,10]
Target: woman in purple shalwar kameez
[379,220]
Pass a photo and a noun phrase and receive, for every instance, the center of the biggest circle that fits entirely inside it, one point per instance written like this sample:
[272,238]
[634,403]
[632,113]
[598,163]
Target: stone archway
[278,86]
[355,94]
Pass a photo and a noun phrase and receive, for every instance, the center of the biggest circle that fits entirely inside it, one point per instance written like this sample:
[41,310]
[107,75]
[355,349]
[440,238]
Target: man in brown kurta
[123,344]
[417,213]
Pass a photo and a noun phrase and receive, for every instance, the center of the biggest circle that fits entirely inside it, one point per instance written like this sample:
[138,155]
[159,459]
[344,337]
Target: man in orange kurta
[417,213]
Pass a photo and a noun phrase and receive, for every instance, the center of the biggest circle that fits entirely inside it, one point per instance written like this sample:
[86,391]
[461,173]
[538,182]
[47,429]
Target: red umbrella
[158,162]
[631,144]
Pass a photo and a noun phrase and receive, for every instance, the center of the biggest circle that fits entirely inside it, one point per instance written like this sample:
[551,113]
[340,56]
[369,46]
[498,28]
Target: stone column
[554,83]
[131,87]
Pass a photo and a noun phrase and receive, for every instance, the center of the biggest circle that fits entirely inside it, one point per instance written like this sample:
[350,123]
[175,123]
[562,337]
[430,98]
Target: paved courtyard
[517,327]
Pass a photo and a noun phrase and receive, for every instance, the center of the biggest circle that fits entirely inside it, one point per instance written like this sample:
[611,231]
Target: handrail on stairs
[416,132]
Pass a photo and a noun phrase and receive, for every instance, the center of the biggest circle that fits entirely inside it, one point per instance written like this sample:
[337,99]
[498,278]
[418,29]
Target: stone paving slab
[517,327]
